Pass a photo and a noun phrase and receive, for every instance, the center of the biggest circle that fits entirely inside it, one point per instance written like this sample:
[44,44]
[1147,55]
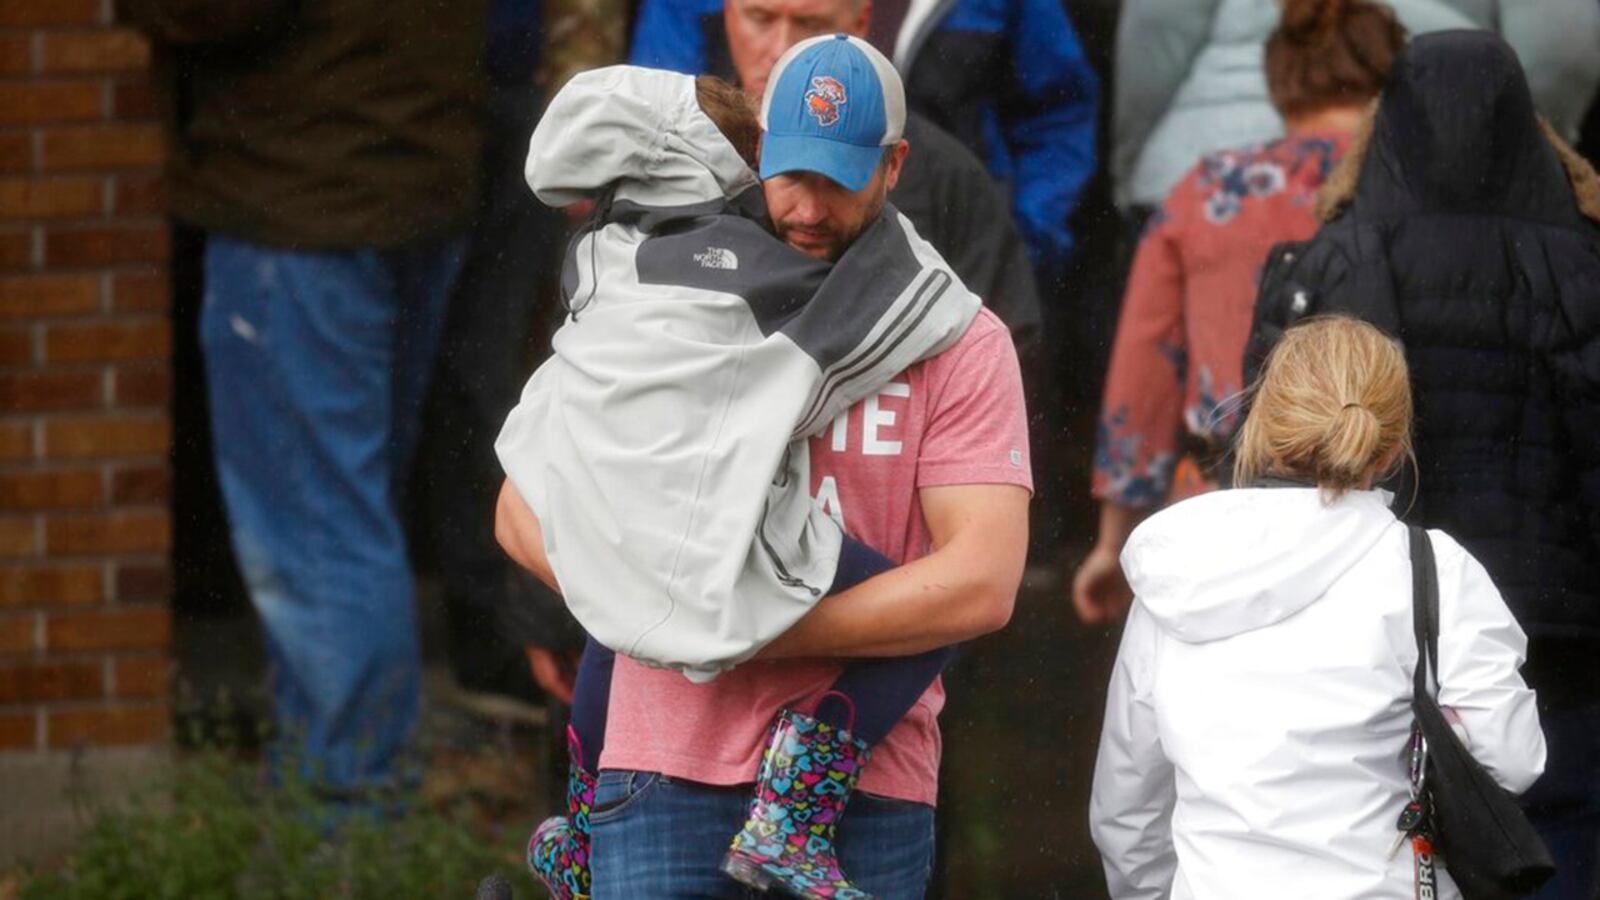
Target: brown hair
[1333,402]
[733,112]
[1330,53]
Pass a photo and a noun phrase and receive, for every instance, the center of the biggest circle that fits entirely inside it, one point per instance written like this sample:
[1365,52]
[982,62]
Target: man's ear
[896,158]
[863,20]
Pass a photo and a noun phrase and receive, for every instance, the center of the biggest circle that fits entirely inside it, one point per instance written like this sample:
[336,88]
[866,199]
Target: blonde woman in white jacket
[1258,715]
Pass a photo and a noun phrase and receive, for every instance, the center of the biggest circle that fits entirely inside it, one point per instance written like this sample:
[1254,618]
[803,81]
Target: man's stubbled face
[818,216]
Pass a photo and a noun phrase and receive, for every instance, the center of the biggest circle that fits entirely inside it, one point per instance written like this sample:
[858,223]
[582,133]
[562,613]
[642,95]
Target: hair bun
[1307,20]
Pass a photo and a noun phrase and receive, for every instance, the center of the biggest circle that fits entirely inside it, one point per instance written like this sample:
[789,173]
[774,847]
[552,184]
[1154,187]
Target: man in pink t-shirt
[932,471]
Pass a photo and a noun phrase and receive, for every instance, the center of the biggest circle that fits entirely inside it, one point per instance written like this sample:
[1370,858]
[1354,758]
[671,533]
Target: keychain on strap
[1413,823]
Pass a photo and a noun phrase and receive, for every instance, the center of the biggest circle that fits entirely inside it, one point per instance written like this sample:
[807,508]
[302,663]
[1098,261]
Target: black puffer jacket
[1461,223]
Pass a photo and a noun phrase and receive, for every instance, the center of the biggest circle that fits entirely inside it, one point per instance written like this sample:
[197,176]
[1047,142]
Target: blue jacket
[1005,77]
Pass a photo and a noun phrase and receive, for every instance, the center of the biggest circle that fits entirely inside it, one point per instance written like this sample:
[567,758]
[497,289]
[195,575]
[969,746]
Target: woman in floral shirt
[1170,404]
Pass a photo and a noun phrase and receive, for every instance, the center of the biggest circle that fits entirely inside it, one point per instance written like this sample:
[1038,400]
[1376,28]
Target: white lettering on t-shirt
[841,432]
[828,498]
[873,418]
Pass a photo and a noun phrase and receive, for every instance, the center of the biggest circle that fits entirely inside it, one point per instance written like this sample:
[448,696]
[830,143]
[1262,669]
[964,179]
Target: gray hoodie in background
[1189,78]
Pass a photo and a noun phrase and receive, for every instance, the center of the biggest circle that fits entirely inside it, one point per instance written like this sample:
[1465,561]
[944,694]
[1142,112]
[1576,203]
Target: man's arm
[964,589]
[517,529]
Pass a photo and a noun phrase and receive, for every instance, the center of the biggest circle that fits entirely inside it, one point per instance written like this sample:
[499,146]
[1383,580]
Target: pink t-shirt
[957,418]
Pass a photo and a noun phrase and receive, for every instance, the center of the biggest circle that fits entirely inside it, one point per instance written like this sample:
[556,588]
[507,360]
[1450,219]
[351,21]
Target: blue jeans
[663,838]
[316,364]
[1564,804]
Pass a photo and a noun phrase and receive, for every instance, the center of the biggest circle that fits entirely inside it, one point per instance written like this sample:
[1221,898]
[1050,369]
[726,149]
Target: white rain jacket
[1259,711]
[662,444]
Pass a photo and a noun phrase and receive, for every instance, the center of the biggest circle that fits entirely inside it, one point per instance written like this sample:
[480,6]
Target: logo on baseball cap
[832,104]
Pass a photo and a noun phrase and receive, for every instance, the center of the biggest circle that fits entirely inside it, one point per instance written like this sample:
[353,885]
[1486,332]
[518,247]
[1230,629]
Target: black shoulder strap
[1424,610]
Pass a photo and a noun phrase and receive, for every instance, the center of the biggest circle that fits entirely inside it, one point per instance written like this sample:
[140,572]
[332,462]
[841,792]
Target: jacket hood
[638,130]
[1456,130]
[1234,561]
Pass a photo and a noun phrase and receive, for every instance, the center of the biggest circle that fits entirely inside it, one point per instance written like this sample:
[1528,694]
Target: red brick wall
[85,377]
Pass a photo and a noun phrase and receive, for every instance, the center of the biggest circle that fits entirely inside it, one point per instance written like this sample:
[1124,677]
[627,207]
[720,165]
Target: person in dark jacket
[1464,224]
[331,157]
[1006,78]
[502,297]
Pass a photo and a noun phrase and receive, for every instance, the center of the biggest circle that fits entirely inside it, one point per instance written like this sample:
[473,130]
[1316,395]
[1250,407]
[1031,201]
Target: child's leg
[867,701]
[857,563]
[591,694]
[881,691]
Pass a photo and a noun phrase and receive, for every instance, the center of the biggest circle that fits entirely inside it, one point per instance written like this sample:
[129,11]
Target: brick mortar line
[97,223]
[75,76]
[58,415]
[90,704]
[80,657]
[82,366]
[93,315]
[61,466]
[85,125]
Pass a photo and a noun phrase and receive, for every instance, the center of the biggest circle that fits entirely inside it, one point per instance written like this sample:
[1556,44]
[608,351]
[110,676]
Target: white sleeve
[1481,649]
[1130,812]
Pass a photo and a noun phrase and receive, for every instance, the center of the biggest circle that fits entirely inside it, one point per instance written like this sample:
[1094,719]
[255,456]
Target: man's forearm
[964,589]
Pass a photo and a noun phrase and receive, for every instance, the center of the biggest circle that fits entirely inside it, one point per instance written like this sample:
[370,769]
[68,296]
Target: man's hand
[517,529]
[555,672]
[1100,591]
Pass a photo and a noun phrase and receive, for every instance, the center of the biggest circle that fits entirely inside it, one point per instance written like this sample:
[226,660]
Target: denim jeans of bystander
[316,364]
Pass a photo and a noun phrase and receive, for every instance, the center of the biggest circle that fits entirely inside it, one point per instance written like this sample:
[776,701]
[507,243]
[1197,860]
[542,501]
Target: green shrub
[214,831]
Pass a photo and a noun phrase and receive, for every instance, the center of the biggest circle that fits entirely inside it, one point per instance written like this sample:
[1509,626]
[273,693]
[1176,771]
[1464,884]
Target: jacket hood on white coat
[1234,561]
[638,129]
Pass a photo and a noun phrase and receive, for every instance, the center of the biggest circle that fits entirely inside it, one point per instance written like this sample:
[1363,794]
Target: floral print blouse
[1177,363]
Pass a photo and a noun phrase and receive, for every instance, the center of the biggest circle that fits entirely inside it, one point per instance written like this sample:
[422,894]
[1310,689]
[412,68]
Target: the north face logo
[824,99]
[717,258]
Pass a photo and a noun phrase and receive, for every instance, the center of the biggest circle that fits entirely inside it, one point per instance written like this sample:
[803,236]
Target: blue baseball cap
[832,104]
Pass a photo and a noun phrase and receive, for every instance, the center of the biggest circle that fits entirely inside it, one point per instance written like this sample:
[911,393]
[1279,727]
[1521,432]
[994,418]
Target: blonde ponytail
[1333,406]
